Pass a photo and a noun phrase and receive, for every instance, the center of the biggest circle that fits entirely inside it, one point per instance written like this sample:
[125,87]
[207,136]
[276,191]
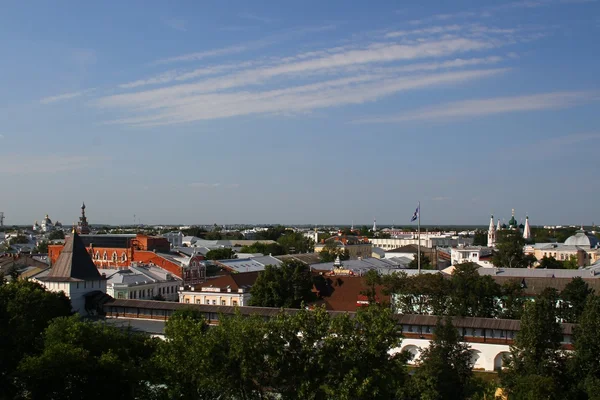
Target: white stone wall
[486,357]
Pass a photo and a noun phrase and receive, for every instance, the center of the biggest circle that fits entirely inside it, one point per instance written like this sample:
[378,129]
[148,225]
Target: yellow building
[227,290]
[584,246]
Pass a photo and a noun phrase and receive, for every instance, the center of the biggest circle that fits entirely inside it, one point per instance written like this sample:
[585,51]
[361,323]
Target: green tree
[26,309]
[19,239]
[425,262]
[287,285]
[585,364]
[574,297]
[42,247]
[332,250]
[550,263]
[571,263]
[536,356]
[472,295]
[418,294]
[264,248]
[513,300]
[509,250]
[79,358]
[272,233]
[295,242]
[480,238]
[444,369]
[221,254]
[56,235]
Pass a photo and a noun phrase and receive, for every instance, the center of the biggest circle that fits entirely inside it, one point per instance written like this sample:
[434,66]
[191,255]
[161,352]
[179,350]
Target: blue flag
[416,214]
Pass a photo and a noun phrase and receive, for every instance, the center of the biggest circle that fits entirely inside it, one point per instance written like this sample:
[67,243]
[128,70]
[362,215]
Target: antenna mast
[1,219]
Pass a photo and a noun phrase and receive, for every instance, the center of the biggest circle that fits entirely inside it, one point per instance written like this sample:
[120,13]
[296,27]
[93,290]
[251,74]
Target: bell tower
[83,227]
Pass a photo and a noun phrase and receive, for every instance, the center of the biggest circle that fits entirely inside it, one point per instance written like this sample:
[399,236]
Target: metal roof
[74,263]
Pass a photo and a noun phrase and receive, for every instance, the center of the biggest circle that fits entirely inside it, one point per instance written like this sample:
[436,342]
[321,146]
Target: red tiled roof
[343,293]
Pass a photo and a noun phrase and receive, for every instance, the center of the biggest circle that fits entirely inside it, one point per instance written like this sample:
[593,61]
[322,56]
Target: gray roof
[250,264]
[582,239]
[540,272]
[74,263]
[382,265]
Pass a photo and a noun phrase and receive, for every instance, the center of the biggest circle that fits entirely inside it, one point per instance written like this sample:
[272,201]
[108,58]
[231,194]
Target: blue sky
[300,112]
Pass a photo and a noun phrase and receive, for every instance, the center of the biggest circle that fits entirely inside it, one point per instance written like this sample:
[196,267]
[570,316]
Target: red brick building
[119,251]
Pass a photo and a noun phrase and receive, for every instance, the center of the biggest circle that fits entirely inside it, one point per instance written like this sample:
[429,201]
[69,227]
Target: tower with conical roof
[526,229]
[499,227]
[491,233]
[83,228]
[75,274]
[374,225]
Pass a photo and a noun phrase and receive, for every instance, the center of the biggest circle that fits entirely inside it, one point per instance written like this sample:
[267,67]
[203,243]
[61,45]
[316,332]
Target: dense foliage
[221,254]
[286,285]
[468,294]
[311,354]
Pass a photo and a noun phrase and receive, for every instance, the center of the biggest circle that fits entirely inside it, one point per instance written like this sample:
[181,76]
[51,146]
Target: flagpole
[419,239]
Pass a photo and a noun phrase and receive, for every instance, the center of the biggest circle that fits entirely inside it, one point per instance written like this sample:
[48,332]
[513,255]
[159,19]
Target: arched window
[114,256]
[97,255]
[123,257]
[105,256]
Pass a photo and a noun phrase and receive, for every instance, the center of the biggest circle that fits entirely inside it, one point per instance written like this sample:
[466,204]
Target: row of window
[214,302]
[114,257]
[488,333]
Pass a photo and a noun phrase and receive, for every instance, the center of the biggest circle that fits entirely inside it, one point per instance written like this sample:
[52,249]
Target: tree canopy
[287,285]
[221,254]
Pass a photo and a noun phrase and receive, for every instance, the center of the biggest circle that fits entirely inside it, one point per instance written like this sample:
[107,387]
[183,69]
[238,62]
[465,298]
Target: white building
[75,274]
[475,254]
[427,240]
[145,282]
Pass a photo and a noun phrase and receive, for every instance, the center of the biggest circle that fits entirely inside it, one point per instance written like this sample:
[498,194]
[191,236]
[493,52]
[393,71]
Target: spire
[82,227]
[492,228]
[491,233]
[527,229]
[499,225]
[352,227]
[374,225]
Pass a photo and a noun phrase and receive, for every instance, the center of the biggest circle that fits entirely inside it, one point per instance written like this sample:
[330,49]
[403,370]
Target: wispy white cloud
[490,106]
[64,96]
[177,24]
[45,164]
[240,48]
[355,90]
[362,70]
[372,54]
[440,198]
[200,55]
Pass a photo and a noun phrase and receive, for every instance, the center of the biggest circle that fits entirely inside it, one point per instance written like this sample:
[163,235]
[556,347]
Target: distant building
[474,254]
[427,240]
[227,290]
[144,282]
[254,264]
[82,227]
[119,251]
[174,238]
[583,245]
[357,246]
[75,274]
